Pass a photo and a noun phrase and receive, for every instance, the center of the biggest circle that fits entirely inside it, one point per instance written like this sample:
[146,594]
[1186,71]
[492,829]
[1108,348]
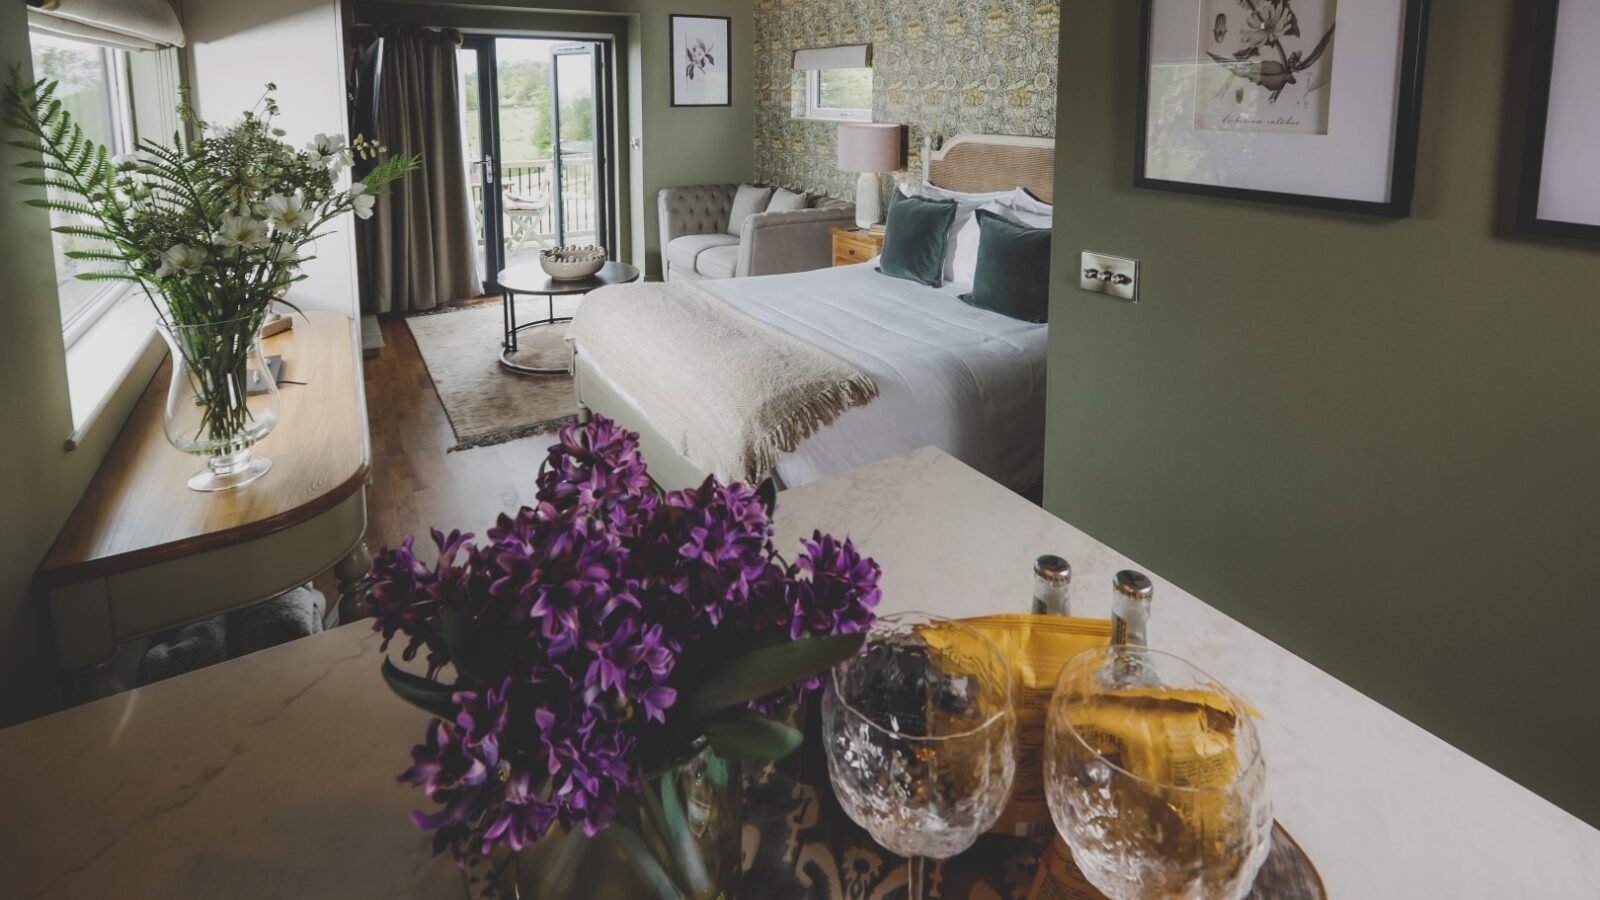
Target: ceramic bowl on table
[572,263]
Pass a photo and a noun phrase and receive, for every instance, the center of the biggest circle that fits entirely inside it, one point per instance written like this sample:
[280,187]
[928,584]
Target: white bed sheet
[966,380]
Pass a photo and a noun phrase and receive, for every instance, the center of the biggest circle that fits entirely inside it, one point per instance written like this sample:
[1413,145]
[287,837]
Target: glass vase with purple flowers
[600,667]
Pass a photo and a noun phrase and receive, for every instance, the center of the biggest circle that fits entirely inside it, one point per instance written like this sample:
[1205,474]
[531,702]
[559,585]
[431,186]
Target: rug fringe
[512,434]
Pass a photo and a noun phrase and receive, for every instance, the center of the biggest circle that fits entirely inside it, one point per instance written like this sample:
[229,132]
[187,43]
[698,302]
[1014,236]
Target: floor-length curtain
[419,241]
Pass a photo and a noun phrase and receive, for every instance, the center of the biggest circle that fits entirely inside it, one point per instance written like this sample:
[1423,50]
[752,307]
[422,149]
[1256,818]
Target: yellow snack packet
[1170,736]
[1036,648]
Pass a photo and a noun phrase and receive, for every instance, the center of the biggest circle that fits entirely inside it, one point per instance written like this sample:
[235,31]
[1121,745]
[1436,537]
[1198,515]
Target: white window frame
[814,110]
[123,138]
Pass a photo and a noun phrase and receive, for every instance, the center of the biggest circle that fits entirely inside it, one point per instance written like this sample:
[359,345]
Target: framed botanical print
[1306,102]
[702,58]
[1560,187]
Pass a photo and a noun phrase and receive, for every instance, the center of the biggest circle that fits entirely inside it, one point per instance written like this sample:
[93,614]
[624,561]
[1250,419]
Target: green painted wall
[1375,442]
[680,145]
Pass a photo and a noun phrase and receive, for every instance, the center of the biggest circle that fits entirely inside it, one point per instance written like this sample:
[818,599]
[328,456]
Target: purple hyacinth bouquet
[607,632]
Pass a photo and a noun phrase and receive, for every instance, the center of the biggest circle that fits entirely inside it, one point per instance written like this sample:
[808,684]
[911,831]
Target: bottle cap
[1133,584]
[1053,569]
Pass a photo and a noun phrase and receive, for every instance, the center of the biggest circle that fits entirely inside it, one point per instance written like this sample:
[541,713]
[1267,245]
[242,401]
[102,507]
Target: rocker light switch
[1111,275]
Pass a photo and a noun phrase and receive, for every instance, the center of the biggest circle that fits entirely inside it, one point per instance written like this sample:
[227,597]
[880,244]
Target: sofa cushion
[719,262]
[783,201]
[747,201]
[684,252]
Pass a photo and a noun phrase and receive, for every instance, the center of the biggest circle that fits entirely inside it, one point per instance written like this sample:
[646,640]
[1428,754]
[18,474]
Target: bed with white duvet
[950,374]
[966,380]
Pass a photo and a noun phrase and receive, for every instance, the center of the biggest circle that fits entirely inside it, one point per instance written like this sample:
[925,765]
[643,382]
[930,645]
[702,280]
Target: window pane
[844,89]
[90,91]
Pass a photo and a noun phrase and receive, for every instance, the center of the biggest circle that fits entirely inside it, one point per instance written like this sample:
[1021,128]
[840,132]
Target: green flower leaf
[770,669]
[429,696]
[748,735]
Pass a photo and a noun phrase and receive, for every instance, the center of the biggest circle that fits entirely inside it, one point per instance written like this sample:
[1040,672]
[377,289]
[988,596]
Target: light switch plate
[1111,275]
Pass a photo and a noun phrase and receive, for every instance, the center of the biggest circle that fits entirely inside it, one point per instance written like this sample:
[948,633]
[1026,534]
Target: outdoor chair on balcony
[526,220]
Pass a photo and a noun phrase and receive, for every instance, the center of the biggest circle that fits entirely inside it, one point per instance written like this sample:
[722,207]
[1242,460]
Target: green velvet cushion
[1013,274]
[914,238]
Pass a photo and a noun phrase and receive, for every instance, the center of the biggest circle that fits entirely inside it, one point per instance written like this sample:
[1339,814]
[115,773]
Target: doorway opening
[537,114]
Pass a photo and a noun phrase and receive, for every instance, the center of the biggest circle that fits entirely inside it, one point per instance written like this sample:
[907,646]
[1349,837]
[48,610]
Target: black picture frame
[1403,154]
[674,62]
[1544,64]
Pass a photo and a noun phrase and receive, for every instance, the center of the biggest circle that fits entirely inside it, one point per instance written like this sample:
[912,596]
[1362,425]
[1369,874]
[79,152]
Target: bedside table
[854,245]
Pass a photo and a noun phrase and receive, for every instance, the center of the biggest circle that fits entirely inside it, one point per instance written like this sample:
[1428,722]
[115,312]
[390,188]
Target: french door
[537,117]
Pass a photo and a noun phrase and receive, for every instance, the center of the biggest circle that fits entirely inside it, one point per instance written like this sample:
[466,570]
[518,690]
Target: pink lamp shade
[865,147]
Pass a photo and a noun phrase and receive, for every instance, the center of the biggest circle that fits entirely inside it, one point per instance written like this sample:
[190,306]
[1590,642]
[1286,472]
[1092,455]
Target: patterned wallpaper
[940,67]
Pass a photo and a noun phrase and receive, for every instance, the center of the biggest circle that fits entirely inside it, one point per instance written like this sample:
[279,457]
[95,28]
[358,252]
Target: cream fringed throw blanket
[731,392]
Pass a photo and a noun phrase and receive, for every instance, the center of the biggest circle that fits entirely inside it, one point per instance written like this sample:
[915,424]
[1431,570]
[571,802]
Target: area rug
[488,404]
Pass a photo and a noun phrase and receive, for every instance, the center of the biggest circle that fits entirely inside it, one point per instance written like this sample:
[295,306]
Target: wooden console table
[142,553]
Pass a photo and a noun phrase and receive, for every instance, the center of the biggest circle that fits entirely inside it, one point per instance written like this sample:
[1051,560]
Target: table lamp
[869,148]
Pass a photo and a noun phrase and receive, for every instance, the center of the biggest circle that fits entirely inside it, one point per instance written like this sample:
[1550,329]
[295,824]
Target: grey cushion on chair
[747,201]
[719,262]
[786,201]
[683,253]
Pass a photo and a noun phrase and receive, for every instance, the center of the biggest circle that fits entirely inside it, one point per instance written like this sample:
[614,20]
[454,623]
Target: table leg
[352,573]
[509,304]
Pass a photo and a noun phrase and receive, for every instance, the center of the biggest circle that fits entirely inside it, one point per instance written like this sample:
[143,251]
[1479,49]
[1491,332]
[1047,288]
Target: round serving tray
[1288,873]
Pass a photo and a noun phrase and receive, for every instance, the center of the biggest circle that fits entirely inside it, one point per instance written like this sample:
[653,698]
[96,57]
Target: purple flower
[595,469]
[572,624]
[705,553]
[406,595]
[840,595]
[460,767]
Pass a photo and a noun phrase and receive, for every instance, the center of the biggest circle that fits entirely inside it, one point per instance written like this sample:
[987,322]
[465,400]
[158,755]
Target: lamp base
[869,200]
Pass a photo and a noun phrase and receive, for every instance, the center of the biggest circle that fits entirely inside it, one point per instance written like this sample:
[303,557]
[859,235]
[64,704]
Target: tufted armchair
[695,242]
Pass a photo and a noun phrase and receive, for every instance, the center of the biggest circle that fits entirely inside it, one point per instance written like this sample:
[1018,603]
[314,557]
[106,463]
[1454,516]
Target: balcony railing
[530,211]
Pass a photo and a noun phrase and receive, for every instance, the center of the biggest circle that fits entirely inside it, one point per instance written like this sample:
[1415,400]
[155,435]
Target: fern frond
[102,255]
[87,231]
[71,207]
[107,276]
[59,184]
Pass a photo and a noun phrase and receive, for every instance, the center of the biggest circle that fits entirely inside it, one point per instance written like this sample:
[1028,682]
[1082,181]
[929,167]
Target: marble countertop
[273,775]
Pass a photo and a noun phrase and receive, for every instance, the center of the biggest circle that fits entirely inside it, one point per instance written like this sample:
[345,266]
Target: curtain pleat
[419,241]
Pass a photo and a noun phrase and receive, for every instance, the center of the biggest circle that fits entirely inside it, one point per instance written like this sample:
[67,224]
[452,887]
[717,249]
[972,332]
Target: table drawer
[847,253]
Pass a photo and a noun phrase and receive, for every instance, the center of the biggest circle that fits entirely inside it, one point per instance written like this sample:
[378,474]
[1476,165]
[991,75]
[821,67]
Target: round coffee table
[530,278]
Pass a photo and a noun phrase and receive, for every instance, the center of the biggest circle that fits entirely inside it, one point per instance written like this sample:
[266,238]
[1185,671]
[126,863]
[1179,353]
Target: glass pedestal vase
[221,400]
[678,839]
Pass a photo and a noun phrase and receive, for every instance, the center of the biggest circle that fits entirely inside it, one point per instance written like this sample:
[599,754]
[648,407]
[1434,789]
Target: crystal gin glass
[920,738]
[1154,777]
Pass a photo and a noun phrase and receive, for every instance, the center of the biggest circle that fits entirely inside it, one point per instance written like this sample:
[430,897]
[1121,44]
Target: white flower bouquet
[213,229]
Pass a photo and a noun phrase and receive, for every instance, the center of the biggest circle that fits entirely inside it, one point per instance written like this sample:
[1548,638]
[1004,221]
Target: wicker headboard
[993,162]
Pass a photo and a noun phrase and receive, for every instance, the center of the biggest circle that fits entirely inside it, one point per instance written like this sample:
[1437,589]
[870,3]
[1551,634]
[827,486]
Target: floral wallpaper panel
[940,67]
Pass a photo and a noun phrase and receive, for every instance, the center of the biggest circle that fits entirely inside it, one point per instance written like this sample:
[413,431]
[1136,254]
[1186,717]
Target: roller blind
[126,24]
[847,56]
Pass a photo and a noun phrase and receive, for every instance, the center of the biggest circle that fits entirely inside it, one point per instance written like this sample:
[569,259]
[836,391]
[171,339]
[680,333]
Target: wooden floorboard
[416,484]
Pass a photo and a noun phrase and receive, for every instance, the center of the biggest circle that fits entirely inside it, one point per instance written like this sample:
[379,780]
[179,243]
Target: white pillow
[1032,220]
[963,251]
[964,254]
[933,191]
[785,200]
[1023,201]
